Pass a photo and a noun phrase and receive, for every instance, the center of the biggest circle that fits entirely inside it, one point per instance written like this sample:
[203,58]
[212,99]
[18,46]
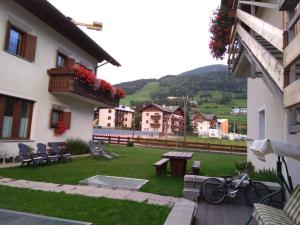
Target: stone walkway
[93,191]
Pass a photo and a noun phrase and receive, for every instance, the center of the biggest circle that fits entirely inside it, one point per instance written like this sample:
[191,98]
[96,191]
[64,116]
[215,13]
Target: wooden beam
[269,32]
[288,4]
[294,20]
[291,94]
[291,52]
[261,4]
[272,66]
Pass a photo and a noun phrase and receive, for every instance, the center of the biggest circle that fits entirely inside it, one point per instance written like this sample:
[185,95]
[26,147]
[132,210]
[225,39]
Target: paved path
[93,191]
[223,214]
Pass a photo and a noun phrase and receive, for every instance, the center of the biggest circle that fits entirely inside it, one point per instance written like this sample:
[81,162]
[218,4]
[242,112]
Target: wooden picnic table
[178,162]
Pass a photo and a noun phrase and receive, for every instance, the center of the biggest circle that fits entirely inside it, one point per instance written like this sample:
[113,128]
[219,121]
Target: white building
[267,55]
[119,117]
[38,86]
[202,123]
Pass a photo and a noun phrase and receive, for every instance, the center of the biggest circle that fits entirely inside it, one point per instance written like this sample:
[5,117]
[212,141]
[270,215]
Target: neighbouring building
[163,119]
[45,60]
[202,123]
[223,126]
[119,117]
[239,110]
[265,48]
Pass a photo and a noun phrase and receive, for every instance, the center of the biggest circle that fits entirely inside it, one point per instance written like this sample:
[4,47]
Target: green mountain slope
[210,87]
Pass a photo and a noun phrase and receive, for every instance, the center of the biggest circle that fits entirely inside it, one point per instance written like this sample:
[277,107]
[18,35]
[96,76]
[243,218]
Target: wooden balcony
[64,82]
[155,125]
[156,117]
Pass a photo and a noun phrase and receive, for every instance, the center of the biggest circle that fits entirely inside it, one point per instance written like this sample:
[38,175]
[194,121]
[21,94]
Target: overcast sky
[149,38]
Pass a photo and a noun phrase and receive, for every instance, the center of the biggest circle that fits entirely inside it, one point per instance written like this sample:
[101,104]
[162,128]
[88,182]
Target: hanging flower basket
[231,13]
[60,128]
[220,28]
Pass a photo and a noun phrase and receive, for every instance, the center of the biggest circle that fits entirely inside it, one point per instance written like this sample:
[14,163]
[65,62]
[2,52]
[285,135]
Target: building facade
[163,119]
[202,123]
[267,54]
[120,117]
[38,86]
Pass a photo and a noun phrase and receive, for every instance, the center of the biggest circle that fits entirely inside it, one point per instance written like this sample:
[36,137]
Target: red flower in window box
[120,93]
[89,78]
[60,128]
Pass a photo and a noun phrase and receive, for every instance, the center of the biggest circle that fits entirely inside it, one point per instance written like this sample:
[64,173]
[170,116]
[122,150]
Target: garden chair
[290,215]
[100,145]
[42,151]
[56,149]
[96,151]
[28,158]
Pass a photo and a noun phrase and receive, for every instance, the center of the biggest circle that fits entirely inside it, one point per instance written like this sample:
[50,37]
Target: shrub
[266,175]
[130,144]
[77,146]
[242,166]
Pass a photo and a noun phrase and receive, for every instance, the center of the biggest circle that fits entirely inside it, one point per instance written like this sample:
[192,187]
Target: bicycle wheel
[213,191]
[254,191]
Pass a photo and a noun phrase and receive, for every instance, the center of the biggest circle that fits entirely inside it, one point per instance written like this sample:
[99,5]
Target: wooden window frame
[16,117]
[59,53]
[62,116]
[28,43]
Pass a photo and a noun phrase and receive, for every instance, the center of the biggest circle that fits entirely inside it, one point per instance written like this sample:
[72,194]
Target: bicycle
[215,191]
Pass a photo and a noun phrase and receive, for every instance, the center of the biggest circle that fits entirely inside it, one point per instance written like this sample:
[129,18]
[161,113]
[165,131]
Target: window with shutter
[20,43]
[67,119]
[15,118]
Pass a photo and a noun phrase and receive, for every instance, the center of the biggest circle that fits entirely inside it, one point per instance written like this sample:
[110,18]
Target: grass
[99,211]
[144,94]
[215,141]
[133,162]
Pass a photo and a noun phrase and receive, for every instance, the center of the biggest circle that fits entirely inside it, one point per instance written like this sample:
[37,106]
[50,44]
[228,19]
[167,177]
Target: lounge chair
[42,151]
[96,151]
[100,145]
[62,155]
[27,157]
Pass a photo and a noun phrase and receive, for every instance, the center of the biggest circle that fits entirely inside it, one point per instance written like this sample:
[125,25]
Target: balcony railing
[155,117]
[63,80]
[155,125]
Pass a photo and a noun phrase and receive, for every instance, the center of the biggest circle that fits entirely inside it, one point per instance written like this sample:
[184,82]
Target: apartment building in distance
[163,119]
[120,117]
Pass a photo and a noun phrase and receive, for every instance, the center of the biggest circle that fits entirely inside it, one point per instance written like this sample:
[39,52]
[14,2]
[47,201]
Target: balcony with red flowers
[155,125]
[80,83]
[156,117]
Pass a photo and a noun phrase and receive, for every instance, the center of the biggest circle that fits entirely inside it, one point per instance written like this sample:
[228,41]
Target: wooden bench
[161,166]
[196,167]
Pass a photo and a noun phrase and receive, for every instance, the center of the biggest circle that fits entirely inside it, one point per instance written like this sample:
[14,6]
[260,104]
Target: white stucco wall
[129,117]
[260,97]
[203,128]
[29,80]
[103,117]
[146,126]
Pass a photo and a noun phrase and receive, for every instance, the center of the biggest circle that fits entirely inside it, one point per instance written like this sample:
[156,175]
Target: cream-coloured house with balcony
[265,48]
[120,117]
[163,119]
[38,86]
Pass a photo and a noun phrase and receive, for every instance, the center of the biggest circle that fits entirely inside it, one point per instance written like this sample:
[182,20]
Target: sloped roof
[168,109]
[207,117]
[51,16]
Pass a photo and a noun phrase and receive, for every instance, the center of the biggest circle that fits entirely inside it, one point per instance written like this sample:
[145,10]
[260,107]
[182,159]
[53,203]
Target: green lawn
[99,211]
[214,140]
[133,162]
[143,94]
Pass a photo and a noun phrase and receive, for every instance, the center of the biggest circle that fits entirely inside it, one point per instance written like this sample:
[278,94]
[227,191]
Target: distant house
[40,56]
[203,122]
[119,117]
[239,110]
[164,119]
